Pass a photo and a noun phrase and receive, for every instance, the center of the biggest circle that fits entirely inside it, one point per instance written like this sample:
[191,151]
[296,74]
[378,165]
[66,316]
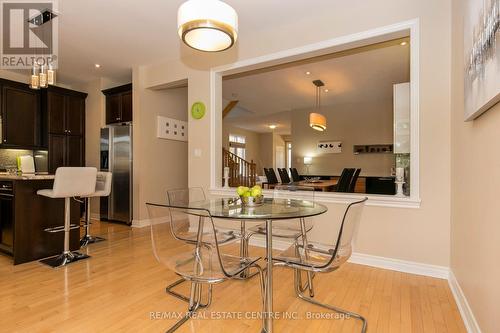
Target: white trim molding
[468,317]
[141,223]
[440,272]
[337,198]
[407,28]
[412,267]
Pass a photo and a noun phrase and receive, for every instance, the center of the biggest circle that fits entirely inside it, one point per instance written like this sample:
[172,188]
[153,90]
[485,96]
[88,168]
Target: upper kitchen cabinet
[65,122]
[21,116]
[118,104]
[65,111]
[401,118]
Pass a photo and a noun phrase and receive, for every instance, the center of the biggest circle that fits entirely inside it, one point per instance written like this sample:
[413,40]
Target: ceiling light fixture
[326,90]
[317,121]
[308,73]
[97,66]
[207,25]
[403,43]
[272,126]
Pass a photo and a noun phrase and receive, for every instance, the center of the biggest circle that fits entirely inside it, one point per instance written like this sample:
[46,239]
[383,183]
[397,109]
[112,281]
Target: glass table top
[270,209]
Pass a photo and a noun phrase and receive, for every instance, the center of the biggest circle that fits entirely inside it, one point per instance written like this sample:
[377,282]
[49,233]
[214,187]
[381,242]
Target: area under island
[24,215]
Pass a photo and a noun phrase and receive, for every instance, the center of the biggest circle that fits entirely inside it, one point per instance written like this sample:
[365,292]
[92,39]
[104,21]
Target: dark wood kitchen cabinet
[65,110]
[118,104]
[21,116]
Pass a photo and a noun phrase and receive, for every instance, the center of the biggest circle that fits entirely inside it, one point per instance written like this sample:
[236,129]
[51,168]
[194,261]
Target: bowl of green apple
[250,197]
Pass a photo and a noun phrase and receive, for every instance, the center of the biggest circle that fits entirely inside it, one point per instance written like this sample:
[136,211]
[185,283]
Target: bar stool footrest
[54,229]
[61,228]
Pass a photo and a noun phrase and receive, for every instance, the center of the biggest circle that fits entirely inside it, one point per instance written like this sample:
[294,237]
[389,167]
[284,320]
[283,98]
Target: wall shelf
[372,149]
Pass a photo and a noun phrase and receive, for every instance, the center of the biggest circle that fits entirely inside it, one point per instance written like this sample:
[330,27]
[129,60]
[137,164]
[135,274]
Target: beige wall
[348,125]
[475,217]
[159,164]
[422,234]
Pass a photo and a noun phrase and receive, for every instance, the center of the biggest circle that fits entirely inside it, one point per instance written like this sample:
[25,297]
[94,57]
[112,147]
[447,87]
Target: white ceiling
[120,34]
[268,97]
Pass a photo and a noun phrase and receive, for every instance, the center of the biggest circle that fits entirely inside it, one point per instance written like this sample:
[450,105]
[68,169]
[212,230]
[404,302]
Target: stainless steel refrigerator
[116,157]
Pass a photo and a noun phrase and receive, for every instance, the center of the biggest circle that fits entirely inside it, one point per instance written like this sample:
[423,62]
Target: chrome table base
[64,259]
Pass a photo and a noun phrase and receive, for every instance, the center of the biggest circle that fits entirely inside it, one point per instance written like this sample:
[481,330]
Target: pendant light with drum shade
[207,25]
[317,121]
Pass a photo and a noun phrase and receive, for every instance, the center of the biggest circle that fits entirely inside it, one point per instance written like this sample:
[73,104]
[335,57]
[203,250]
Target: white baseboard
[374,261]
[404,266]
[463,306]
[140,223]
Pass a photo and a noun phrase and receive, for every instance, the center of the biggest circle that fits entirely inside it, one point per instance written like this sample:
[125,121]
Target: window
[288,155]
[237,145]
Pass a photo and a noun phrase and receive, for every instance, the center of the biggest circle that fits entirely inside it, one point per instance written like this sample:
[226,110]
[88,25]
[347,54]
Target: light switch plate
[172,129]
[329,147]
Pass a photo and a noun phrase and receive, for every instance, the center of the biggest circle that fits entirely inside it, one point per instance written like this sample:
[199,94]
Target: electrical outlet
[172,129]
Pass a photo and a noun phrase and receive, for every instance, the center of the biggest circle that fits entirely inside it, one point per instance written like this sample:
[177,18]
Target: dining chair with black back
[295,175]
[344,180]
[354,180]
[285,179]
[199,261]
[271,177]
[324,258]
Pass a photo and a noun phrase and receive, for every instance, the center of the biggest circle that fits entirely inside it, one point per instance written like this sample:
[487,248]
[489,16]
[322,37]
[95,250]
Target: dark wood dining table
[322,185]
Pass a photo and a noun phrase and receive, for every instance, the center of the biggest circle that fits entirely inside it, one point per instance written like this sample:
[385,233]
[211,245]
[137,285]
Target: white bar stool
[102,189]
[68,183]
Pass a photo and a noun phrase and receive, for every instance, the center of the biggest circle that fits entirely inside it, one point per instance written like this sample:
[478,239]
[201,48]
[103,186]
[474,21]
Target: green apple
[256,191]
[247,193]
[241,190]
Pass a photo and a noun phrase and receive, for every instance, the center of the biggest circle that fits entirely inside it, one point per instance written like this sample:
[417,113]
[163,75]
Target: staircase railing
[241,172]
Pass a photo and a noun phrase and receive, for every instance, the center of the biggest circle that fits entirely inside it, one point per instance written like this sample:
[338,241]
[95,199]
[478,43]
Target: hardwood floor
[122,289]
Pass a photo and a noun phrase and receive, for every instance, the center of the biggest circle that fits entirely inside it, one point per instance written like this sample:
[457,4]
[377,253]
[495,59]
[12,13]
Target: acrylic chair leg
[349,314]
[305,245]
[193,307]
[262,282]
[169,290]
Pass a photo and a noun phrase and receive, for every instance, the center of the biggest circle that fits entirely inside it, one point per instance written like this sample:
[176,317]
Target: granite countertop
[26,176]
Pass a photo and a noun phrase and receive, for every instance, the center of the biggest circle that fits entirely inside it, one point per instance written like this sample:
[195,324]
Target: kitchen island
[24,215]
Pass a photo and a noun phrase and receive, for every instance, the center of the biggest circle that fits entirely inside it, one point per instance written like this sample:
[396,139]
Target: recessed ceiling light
[272,126]
[97,66]
[403,43]
[326,90]
[308,73]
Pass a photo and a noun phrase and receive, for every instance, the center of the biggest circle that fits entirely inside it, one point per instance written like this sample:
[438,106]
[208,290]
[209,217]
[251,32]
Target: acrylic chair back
[184,225]
[194,261]
[347,232]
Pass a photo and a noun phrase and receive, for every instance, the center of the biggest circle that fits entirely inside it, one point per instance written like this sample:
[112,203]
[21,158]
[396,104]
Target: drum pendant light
[207,25]
[317,121]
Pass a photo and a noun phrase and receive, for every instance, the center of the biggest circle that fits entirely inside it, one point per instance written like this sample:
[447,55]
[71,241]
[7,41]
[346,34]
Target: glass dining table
[272,209]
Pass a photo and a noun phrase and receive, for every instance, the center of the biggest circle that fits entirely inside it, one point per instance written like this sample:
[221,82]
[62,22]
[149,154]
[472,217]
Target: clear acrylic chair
[189,233]
[290,229]
[324,258]
[202,263]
